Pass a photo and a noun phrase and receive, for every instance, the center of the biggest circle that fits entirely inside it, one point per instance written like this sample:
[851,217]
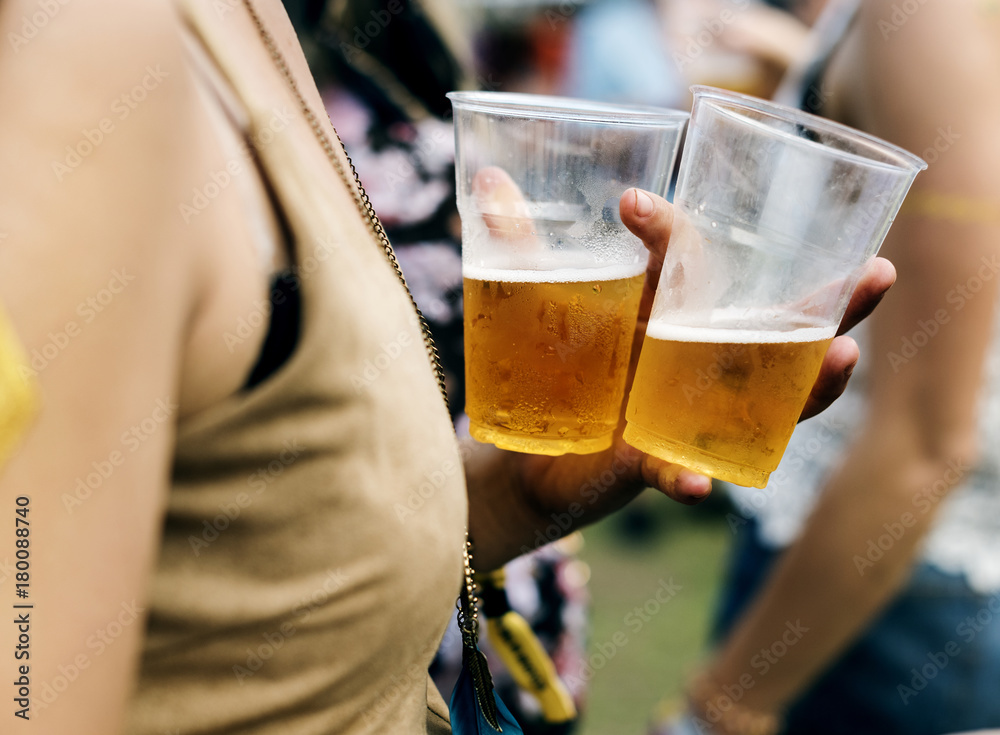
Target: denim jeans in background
[928,665]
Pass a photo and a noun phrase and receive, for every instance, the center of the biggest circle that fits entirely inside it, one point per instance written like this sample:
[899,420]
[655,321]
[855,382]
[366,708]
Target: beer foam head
[727,335]
[557,275]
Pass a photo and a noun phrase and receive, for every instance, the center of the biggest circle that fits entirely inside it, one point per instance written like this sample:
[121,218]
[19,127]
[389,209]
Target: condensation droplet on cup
[714,225]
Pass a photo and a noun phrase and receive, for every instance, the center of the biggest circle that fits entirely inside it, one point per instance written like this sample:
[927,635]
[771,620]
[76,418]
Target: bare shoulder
[114,130]
[95,83]
[87,48]
[103,105]
[97,151]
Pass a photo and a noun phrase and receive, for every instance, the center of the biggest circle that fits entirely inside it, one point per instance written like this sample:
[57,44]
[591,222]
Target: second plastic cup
[777,214]
[552,278]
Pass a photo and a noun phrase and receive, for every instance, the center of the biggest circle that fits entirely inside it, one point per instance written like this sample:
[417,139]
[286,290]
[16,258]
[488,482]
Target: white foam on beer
[557,275]
[680,333]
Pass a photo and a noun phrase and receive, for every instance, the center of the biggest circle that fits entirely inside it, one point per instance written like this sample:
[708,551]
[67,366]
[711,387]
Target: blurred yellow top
[17,389]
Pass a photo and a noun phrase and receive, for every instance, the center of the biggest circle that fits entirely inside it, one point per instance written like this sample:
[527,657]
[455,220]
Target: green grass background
[627,562]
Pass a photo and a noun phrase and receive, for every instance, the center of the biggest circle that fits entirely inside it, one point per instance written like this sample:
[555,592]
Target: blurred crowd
[849,535]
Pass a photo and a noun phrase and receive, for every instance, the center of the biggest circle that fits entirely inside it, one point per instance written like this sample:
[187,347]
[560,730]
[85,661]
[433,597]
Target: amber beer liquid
[722,401]
[546,355]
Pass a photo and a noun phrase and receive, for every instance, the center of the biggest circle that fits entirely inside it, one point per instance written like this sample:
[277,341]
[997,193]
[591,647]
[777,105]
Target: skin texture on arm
[932,83]
[108,289]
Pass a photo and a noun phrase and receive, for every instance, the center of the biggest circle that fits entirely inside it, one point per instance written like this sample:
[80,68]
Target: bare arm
[934,81]
[98,280]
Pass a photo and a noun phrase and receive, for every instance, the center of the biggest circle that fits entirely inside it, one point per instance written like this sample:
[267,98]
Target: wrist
[719,708]
[500,516]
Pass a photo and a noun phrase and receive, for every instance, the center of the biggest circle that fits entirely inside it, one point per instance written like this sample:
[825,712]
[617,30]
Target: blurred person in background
[605,50]
[740,45]
[619,52]
[523,45]
[863,593]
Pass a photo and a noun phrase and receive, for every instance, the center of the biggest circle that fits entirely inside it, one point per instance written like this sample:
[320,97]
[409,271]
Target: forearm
[855,552]
[495,505]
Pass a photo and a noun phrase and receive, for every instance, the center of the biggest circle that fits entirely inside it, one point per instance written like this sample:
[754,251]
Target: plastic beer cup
[551,276]
[777,215]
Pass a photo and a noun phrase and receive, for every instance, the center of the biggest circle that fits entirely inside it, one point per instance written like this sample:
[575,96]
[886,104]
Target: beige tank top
[312,542]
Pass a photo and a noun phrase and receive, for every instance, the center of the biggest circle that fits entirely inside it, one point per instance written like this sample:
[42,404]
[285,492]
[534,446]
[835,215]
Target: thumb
[650,218]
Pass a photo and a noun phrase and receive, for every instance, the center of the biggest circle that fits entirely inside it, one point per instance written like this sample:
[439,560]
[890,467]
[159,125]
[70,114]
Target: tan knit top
[312,542]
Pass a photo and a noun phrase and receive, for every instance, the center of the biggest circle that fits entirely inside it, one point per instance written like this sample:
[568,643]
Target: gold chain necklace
[361,199]
[467,603]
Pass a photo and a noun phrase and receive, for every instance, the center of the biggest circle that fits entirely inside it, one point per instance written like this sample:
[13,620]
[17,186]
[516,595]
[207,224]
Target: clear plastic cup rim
[882,151]
[549,107]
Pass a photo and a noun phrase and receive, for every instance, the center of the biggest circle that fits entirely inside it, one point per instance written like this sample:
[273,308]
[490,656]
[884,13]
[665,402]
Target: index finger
[504,209]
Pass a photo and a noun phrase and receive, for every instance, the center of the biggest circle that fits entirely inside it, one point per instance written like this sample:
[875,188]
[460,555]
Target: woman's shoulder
[88,76]
[97,36]
[105,133]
